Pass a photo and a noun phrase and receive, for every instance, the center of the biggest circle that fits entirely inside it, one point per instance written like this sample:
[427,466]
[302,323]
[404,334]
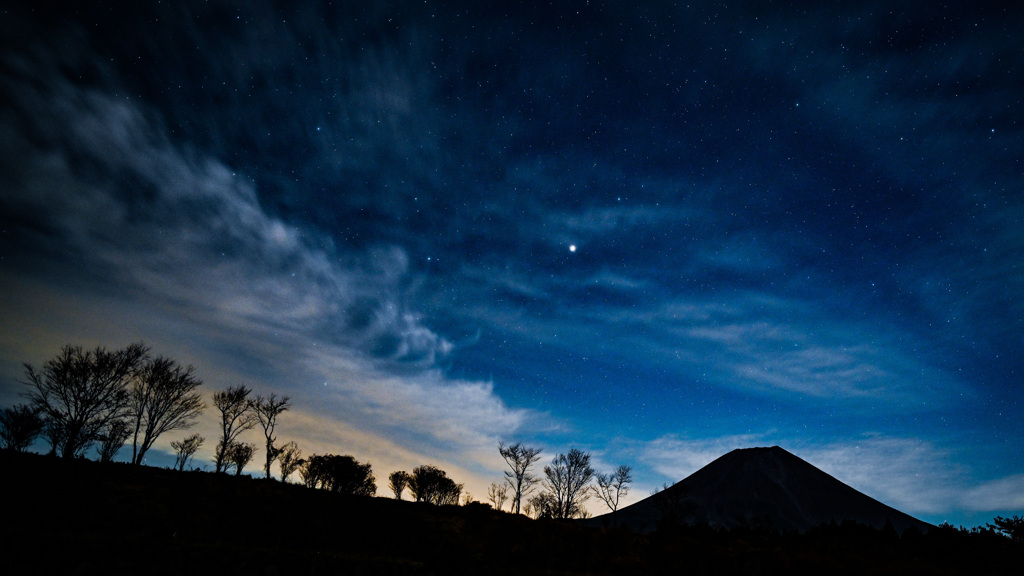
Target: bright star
[572,247]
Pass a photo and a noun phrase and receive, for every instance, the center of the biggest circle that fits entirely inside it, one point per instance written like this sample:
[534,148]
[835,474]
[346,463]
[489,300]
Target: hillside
[83,517]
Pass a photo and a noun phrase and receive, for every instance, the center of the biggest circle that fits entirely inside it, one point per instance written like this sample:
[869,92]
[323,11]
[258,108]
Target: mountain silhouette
[767,487]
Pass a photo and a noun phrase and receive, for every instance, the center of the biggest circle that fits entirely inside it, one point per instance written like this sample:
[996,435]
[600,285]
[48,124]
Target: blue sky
[792,224]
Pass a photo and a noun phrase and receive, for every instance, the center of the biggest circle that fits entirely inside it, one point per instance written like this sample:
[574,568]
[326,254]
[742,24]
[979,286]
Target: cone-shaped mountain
[761,487]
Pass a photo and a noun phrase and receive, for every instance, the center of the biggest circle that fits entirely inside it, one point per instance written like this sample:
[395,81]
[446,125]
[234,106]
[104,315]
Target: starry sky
[656,231]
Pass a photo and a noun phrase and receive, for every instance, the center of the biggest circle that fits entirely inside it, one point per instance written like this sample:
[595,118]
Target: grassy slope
[63,517]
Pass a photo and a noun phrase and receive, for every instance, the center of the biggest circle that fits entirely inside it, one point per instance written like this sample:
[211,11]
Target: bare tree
[498,494]
[289,457]
[81,392]
[266,410]
[162,397]
[239,454]
[528,509]
[309,472]
[567,479]
[20,425]
[236,416]
[611,488]
[519,459]
[54,435]
[113,438]
[185,450]
[541,506]
[398,481]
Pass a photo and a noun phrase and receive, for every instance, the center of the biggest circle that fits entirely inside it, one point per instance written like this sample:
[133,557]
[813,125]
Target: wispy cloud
[754,341]
[999,494]
[627,219]
[676,457]
[910,474]
[426,409]
[183,231]
[915,475]
[113,189]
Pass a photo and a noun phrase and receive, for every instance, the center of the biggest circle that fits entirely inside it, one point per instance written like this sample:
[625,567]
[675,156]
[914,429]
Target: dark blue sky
[652,230]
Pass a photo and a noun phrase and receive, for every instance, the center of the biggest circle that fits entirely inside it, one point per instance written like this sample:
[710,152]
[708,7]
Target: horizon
[159,458]
[653,232]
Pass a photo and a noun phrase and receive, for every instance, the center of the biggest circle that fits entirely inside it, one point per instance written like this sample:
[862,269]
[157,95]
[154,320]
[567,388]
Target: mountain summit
[762,487]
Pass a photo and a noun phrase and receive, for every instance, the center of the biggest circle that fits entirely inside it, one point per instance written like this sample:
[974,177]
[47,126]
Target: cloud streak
[185,227]
[187,234]
[754,341]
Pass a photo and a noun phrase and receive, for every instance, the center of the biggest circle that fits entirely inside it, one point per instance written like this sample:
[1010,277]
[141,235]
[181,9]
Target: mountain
[761,487]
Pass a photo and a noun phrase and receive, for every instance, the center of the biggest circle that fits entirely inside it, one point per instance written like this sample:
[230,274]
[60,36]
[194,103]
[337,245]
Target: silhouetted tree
[81,392]
[1012,527]
[431,484]
[567,479]
[20,425]
[542,505]
[113,438]
[53,434]
[236,416]
[239,454]
[289,457]
[519,459]
[497,494]
[309,473]
[267,409]
[398,481]
[614,486]
[185,449]
[342,474]
[162,397]
[449,494]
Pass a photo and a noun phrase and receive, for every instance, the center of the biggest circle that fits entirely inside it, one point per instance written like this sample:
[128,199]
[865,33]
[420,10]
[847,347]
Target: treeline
[568,482]
[83,399]
[100,399]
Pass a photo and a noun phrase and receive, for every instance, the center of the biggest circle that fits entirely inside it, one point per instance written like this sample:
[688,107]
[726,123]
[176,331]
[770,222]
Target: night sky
[654,231]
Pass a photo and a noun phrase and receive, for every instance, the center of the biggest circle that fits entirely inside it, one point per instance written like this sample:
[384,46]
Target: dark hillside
[83,517]
[65,516]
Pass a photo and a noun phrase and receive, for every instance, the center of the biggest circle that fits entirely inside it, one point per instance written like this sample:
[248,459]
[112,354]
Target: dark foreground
[82,517]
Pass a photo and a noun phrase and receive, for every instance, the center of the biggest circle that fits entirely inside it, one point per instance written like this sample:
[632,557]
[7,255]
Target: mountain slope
[761,487]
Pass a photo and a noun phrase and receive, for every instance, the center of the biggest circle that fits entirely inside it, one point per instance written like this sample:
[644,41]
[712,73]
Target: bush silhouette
[342,474]
[20,425]
[431,484]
